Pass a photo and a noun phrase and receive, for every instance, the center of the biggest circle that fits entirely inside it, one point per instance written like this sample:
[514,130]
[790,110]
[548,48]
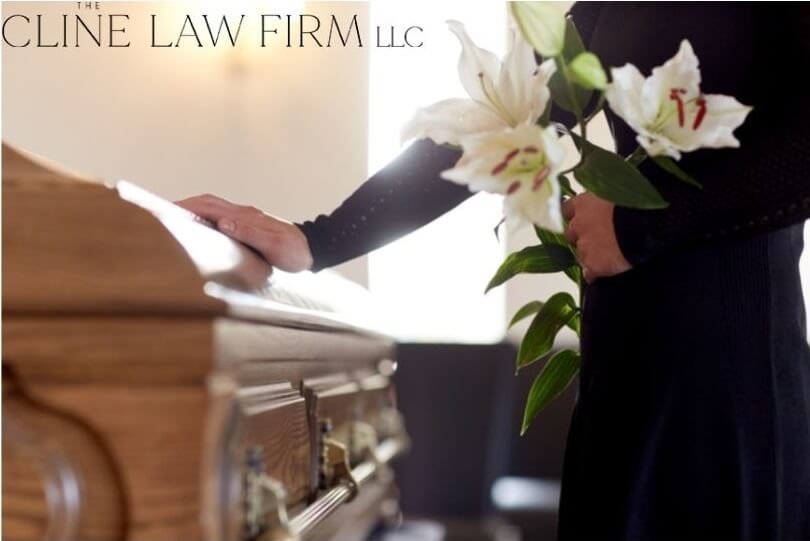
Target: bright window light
[431,283]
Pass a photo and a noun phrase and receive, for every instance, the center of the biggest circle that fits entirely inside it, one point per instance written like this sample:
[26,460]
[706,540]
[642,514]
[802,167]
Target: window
[431,283]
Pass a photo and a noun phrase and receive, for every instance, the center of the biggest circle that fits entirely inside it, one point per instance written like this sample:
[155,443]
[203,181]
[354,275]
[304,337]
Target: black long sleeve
[405,195]
[762,186]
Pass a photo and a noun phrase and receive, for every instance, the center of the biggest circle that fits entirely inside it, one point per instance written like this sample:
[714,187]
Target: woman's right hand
[280,242]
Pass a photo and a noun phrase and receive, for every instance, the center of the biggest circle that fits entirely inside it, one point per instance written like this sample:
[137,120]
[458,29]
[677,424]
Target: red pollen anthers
[675,94]
[540,177]
[530,150]
[498,169]
[701,114]
[513,187]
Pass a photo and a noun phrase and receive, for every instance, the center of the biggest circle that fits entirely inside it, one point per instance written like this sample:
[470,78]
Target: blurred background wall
[290,130]
[282,129]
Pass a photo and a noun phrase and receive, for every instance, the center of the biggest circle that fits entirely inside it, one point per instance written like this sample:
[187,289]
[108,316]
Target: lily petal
[523,85]
[724,114]
[447,121]
[477,67]
[540,207]
[658,145]
[623,94]
[482,151]
[667,110]
[555,151]
[522,163]
[680,72]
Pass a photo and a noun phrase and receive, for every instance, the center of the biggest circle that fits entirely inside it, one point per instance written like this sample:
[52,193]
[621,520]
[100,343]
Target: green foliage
[571,98]
[668,165]
[534,259]
[549,237]
[528,309]
[555,313]
[555,377]
[612,178]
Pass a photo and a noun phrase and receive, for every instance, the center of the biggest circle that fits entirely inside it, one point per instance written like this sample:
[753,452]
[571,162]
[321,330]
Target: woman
[693,416]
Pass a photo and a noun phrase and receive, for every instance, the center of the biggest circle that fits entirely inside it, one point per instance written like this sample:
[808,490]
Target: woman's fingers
[207,206]
[243,225]
[571,234]
[234,220]
[590,230]
[280,242]
[568,208]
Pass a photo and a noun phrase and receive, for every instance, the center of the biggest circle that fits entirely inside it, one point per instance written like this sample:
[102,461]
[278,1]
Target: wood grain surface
[131,397]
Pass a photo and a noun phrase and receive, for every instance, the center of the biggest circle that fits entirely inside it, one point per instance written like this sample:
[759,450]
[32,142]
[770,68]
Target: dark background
[462,406]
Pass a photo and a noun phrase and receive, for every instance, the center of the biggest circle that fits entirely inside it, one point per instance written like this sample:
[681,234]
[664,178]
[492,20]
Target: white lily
[501,93]
[668,111]
[523,164]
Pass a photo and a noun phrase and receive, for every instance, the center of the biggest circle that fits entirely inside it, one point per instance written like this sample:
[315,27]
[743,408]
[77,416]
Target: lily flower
[501,93]
[523,164]
[668,111]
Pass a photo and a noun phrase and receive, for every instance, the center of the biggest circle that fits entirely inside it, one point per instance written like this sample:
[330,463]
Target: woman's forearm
[402,197]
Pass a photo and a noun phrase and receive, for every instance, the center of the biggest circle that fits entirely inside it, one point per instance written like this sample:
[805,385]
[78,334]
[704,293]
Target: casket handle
[266,515]
[308,519]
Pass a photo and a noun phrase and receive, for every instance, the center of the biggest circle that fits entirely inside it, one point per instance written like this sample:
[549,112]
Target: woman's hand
[590,230]
[281,243]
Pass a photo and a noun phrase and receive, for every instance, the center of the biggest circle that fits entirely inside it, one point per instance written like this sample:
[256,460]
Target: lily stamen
[498,169]
[495,102]
[701,113]
[540,177]
[675,94]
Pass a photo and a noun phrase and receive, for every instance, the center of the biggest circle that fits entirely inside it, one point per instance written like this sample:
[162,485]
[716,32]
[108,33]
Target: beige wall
[283,129]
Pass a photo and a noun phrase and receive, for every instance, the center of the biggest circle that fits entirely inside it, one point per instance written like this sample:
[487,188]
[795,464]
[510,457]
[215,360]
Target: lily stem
[637,157]
[582,122]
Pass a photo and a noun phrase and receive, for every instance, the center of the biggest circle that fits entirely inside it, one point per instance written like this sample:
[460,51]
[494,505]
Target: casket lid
[74,244]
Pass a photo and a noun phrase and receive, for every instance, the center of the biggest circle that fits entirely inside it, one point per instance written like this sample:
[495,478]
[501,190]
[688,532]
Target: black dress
[693,412]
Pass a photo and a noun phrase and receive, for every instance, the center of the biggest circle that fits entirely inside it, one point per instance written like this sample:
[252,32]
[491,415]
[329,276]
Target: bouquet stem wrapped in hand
[511,147]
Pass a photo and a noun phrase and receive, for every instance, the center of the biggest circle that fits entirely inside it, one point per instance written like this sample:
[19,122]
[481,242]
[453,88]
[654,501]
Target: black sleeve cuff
[634,234]
[310,231]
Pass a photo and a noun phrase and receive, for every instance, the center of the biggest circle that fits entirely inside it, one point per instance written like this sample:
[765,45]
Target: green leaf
[542,24]
[575,274]
[525,311]
[552,380]
[549,237]
[534,259]
[531,308]
[565,184]
[612,178]
[559,89]
[557,311]
[586,70]
[675,170]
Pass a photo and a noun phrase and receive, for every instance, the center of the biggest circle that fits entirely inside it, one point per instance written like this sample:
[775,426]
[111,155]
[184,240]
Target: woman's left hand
[590,229]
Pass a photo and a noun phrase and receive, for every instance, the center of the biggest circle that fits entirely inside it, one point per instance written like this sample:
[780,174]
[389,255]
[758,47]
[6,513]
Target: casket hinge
[334,463]
[265,502]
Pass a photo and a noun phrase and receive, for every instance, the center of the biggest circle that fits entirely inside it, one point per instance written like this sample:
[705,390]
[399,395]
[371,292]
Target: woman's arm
[402,197]
[405,195]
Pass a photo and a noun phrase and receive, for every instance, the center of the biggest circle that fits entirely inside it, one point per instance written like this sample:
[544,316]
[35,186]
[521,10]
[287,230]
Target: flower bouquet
[511,146]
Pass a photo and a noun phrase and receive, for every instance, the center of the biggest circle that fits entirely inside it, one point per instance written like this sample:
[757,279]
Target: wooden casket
[159,382]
